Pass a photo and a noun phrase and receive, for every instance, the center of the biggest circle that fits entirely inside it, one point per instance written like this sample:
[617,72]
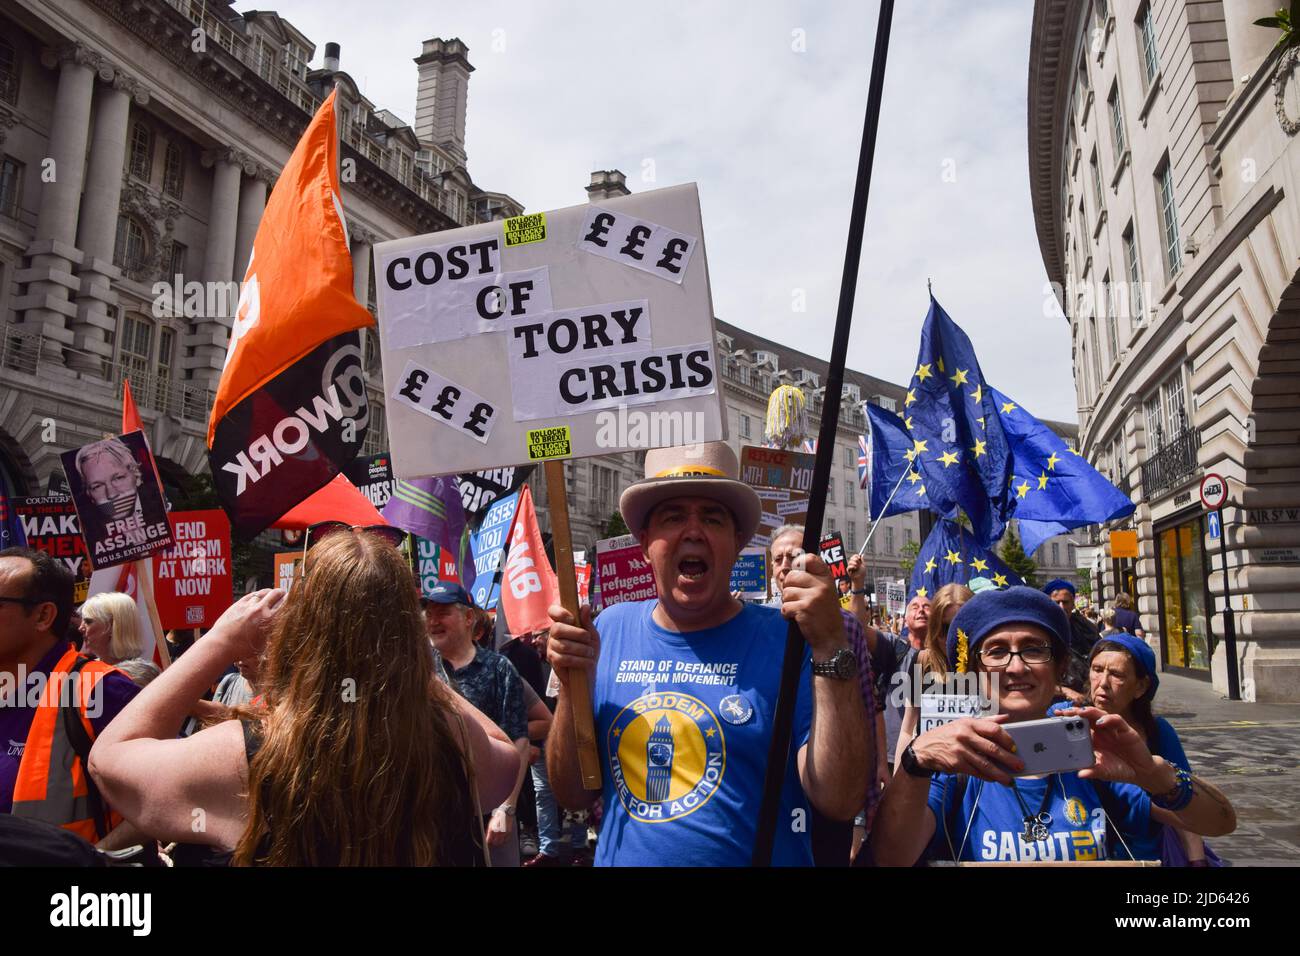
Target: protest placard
[286,568]
[503,346]
[749,573]
[193,583]
[831,548]
[624,573]
[119,501]
[373,476]
[782,480]
[488,546]
[583,571]
[50,524]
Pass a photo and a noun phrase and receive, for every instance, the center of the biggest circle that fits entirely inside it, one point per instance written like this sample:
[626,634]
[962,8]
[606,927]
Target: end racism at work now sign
[486,341]
[193,583]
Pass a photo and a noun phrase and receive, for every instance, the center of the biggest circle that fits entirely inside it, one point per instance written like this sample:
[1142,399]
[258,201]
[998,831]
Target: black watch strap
[911,764]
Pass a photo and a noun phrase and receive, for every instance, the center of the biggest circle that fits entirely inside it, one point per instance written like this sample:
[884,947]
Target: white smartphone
[1052,745]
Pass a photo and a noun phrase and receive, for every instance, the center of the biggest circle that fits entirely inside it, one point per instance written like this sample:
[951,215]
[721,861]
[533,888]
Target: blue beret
[989,610]
[1143,657]
[1060,584]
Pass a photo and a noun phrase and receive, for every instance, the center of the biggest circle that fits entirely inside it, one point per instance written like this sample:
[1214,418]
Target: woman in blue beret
[956,797]
[1122,680]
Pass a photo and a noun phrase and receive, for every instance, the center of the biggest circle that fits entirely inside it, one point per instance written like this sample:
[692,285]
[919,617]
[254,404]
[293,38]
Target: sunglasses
[326,529]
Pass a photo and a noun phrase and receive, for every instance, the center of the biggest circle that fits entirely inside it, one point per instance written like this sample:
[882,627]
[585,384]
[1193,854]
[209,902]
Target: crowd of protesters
[356,721]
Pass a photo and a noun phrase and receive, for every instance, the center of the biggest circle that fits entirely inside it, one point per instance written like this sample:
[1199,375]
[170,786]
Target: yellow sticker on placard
[546,443]
[525,229]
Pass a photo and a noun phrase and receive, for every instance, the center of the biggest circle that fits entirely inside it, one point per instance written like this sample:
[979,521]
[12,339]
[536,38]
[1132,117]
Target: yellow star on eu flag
[911,397]
[923,372]
[948,458]
[979,564]
[1000,580]
[941,363]
[981,421]
[920,446]
[907,423]
[1051,462]
[952,557]
[921,490]
[978,394]
[960,377]
[1074,451]
[913,477]
[921,592]
[1022,490]
[1008,407]
[979,448]
[1042,481]
[930,565]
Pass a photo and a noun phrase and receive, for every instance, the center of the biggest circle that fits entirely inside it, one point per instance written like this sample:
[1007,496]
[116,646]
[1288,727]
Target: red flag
[340,500]
[130,414]
[291,407]
[529,586]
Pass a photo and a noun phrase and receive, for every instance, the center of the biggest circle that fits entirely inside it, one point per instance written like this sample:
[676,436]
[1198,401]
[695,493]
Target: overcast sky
[761,103]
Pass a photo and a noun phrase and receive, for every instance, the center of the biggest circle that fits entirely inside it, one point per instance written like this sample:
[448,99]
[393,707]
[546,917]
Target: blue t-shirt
[996,819]
[683,724]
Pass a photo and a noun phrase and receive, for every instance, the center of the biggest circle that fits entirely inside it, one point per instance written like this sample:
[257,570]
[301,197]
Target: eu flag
[884,462]
[951,555]
[1052,488]
[957,439]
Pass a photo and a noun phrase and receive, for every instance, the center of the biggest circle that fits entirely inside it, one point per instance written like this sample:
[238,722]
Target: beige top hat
[708,470]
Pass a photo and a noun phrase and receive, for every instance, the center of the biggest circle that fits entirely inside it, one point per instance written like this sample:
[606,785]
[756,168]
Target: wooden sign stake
[584,725]
[144,587]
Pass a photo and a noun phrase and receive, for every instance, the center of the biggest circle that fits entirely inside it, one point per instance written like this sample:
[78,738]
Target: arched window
[141,151]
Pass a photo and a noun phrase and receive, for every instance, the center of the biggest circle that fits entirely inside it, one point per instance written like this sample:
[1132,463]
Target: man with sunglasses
[42,769]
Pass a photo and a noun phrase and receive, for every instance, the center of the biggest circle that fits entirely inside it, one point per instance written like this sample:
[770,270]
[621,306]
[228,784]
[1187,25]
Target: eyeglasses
[999,656]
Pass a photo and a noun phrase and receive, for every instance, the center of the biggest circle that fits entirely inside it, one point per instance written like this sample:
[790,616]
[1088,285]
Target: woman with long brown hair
[933,661]
[356,756]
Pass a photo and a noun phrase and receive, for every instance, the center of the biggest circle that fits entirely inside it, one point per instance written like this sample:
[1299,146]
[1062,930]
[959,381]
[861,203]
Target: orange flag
[291,407]
[130,414]
[529,586]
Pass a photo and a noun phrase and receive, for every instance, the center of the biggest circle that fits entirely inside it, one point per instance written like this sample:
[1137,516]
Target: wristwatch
[843,665]
[912,765]
[863,591]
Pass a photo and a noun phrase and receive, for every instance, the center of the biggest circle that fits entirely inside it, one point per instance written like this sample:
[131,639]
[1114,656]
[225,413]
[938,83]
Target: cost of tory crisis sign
[592,323]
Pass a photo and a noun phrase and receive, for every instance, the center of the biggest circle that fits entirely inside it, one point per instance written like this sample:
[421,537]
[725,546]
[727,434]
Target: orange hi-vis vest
[52,784]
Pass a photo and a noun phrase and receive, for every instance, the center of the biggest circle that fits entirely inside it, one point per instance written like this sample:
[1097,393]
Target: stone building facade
[1164,166]
[138,144]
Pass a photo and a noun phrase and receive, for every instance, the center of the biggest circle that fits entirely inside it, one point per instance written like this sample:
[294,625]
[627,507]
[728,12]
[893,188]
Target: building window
[745,427]
[907,535]
[1074,560]
[871,542]
[1097,193]
[136,355]
[141,151]
[1136,306]
[1108,310]
[1169,219]
[176,260]
[603,481]
[166,349]
[1102,12]
[830,490]
[1056,554]
[1082,372]
[852,536]
[11,186]
[1116,122]
[9,73]
[1150,56]
[830,523]
[848,492]
[1083,223]
[174,171]
[371,296]
[850,459]
[1096,351]
[131,251]
[889,540]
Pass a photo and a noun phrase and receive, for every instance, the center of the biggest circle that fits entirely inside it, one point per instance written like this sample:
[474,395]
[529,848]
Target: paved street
[1252,753]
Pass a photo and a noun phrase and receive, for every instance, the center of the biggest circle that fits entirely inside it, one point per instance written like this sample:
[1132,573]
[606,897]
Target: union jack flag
[864,462]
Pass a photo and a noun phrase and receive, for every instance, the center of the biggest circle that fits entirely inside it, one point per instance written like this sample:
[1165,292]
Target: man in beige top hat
[686,687]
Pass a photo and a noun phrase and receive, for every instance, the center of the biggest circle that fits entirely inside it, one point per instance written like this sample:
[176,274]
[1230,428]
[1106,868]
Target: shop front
[1185,607]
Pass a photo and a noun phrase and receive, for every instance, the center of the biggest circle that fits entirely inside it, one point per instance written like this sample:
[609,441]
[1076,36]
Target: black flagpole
[783,721]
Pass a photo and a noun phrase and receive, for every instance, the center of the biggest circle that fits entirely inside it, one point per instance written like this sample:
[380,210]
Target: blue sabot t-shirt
[683,724]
